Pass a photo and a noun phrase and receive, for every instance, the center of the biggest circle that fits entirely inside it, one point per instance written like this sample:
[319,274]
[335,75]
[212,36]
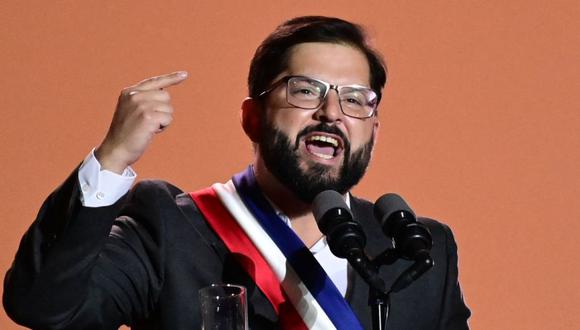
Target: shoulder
[158,201]
[161,200]
[156,194]
[158,211]
[441,232]
[149,188]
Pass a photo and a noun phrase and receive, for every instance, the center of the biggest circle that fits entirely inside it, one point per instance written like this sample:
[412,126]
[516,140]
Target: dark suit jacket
[142,260]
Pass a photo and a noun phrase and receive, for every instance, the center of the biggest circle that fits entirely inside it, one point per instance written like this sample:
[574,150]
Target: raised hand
[143,110]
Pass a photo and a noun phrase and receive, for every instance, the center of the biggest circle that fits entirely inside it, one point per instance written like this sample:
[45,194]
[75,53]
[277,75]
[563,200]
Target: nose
[330,110]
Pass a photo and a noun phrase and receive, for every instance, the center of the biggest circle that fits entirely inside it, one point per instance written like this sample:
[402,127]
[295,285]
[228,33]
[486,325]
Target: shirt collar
[321,244]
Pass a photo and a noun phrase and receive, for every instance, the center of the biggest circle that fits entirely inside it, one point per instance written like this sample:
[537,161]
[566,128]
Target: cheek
[290,121]
[361,134]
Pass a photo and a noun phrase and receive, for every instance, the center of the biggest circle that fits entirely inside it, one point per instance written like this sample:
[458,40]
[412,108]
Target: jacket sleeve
[454,312]
[80,267]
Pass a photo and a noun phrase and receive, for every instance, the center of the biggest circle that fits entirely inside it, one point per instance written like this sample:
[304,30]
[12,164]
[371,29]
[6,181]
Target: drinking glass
[224,307]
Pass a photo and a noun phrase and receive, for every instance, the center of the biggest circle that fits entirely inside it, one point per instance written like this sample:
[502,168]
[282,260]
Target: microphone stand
[380,303]
[379,298]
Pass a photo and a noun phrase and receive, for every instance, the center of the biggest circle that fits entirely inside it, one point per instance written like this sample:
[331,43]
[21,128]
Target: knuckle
[147,116]
[167,109]
[126,91]
[129,94]
[141,107]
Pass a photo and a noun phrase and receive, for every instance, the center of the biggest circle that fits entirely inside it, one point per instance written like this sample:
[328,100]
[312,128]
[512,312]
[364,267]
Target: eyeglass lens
[307,93]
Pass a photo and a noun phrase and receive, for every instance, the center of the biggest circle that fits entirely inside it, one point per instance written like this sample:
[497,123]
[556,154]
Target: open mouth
[323,145]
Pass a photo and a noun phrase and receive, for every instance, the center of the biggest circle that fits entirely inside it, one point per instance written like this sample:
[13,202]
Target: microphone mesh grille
[325,201]
[388,204]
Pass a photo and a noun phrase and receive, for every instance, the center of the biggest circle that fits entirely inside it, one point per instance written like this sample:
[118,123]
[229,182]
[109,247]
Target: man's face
[314,150]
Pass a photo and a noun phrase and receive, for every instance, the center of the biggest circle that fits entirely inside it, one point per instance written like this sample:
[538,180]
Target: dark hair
[272,55]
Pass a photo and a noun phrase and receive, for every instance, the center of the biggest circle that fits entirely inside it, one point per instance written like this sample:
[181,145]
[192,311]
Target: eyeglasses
[309,93]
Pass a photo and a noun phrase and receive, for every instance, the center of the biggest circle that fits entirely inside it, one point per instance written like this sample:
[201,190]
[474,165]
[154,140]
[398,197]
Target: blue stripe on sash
[297,254]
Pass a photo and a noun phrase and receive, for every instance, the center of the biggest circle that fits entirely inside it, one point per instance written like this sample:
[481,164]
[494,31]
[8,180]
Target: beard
[283,161]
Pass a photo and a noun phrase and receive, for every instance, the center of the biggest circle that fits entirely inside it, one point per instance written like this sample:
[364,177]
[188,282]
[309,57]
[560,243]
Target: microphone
[411,239]
[398,221]
[345,236]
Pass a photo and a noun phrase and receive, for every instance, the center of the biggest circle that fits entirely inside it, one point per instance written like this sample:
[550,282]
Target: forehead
[339,64]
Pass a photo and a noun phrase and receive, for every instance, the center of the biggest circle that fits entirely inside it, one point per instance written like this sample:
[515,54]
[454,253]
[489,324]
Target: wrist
[110,160]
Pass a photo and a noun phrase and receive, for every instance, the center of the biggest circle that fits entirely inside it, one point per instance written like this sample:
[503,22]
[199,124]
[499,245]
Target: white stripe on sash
[306,305]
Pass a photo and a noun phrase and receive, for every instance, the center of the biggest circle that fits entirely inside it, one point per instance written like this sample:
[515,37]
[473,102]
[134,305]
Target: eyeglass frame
[328,86]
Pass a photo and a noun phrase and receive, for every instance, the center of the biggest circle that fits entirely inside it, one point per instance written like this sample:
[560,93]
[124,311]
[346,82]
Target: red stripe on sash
[258,268]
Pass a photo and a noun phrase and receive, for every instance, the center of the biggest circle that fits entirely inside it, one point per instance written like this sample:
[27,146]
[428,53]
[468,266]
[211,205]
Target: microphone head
[325,201]
[410,238]
[334,219]
[388,204]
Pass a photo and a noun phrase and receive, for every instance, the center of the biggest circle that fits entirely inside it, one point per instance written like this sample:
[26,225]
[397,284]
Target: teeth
[326,139]
[323,155]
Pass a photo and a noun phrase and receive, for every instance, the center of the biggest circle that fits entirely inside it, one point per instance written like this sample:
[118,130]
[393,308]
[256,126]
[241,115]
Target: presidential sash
[283,268]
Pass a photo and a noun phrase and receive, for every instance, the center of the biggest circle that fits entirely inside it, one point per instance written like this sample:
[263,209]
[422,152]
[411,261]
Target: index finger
[161,81]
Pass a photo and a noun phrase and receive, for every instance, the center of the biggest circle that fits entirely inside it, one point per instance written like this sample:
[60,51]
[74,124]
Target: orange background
[480,121]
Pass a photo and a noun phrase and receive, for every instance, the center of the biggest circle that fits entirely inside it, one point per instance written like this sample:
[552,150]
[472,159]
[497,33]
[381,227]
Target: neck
[299,212]
[278,194]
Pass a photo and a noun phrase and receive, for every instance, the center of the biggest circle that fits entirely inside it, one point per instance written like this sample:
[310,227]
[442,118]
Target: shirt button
[100,195]
[85,187]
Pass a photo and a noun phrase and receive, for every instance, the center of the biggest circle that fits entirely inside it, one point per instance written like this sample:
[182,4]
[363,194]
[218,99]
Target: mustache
[331,129]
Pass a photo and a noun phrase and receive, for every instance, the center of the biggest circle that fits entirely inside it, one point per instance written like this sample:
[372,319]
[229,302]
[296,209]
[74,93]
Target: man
[98,257]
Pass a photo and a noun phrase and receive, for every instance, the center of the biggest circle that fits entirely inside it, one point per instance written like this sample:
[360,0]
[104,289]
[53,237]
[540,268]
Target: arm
[60,270]
[454,312]
[49,278]
[94,276]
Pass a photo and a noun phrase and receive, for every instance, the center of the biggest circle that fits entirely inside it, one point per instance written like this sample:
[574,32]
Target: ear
[376,126]
[250,118]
